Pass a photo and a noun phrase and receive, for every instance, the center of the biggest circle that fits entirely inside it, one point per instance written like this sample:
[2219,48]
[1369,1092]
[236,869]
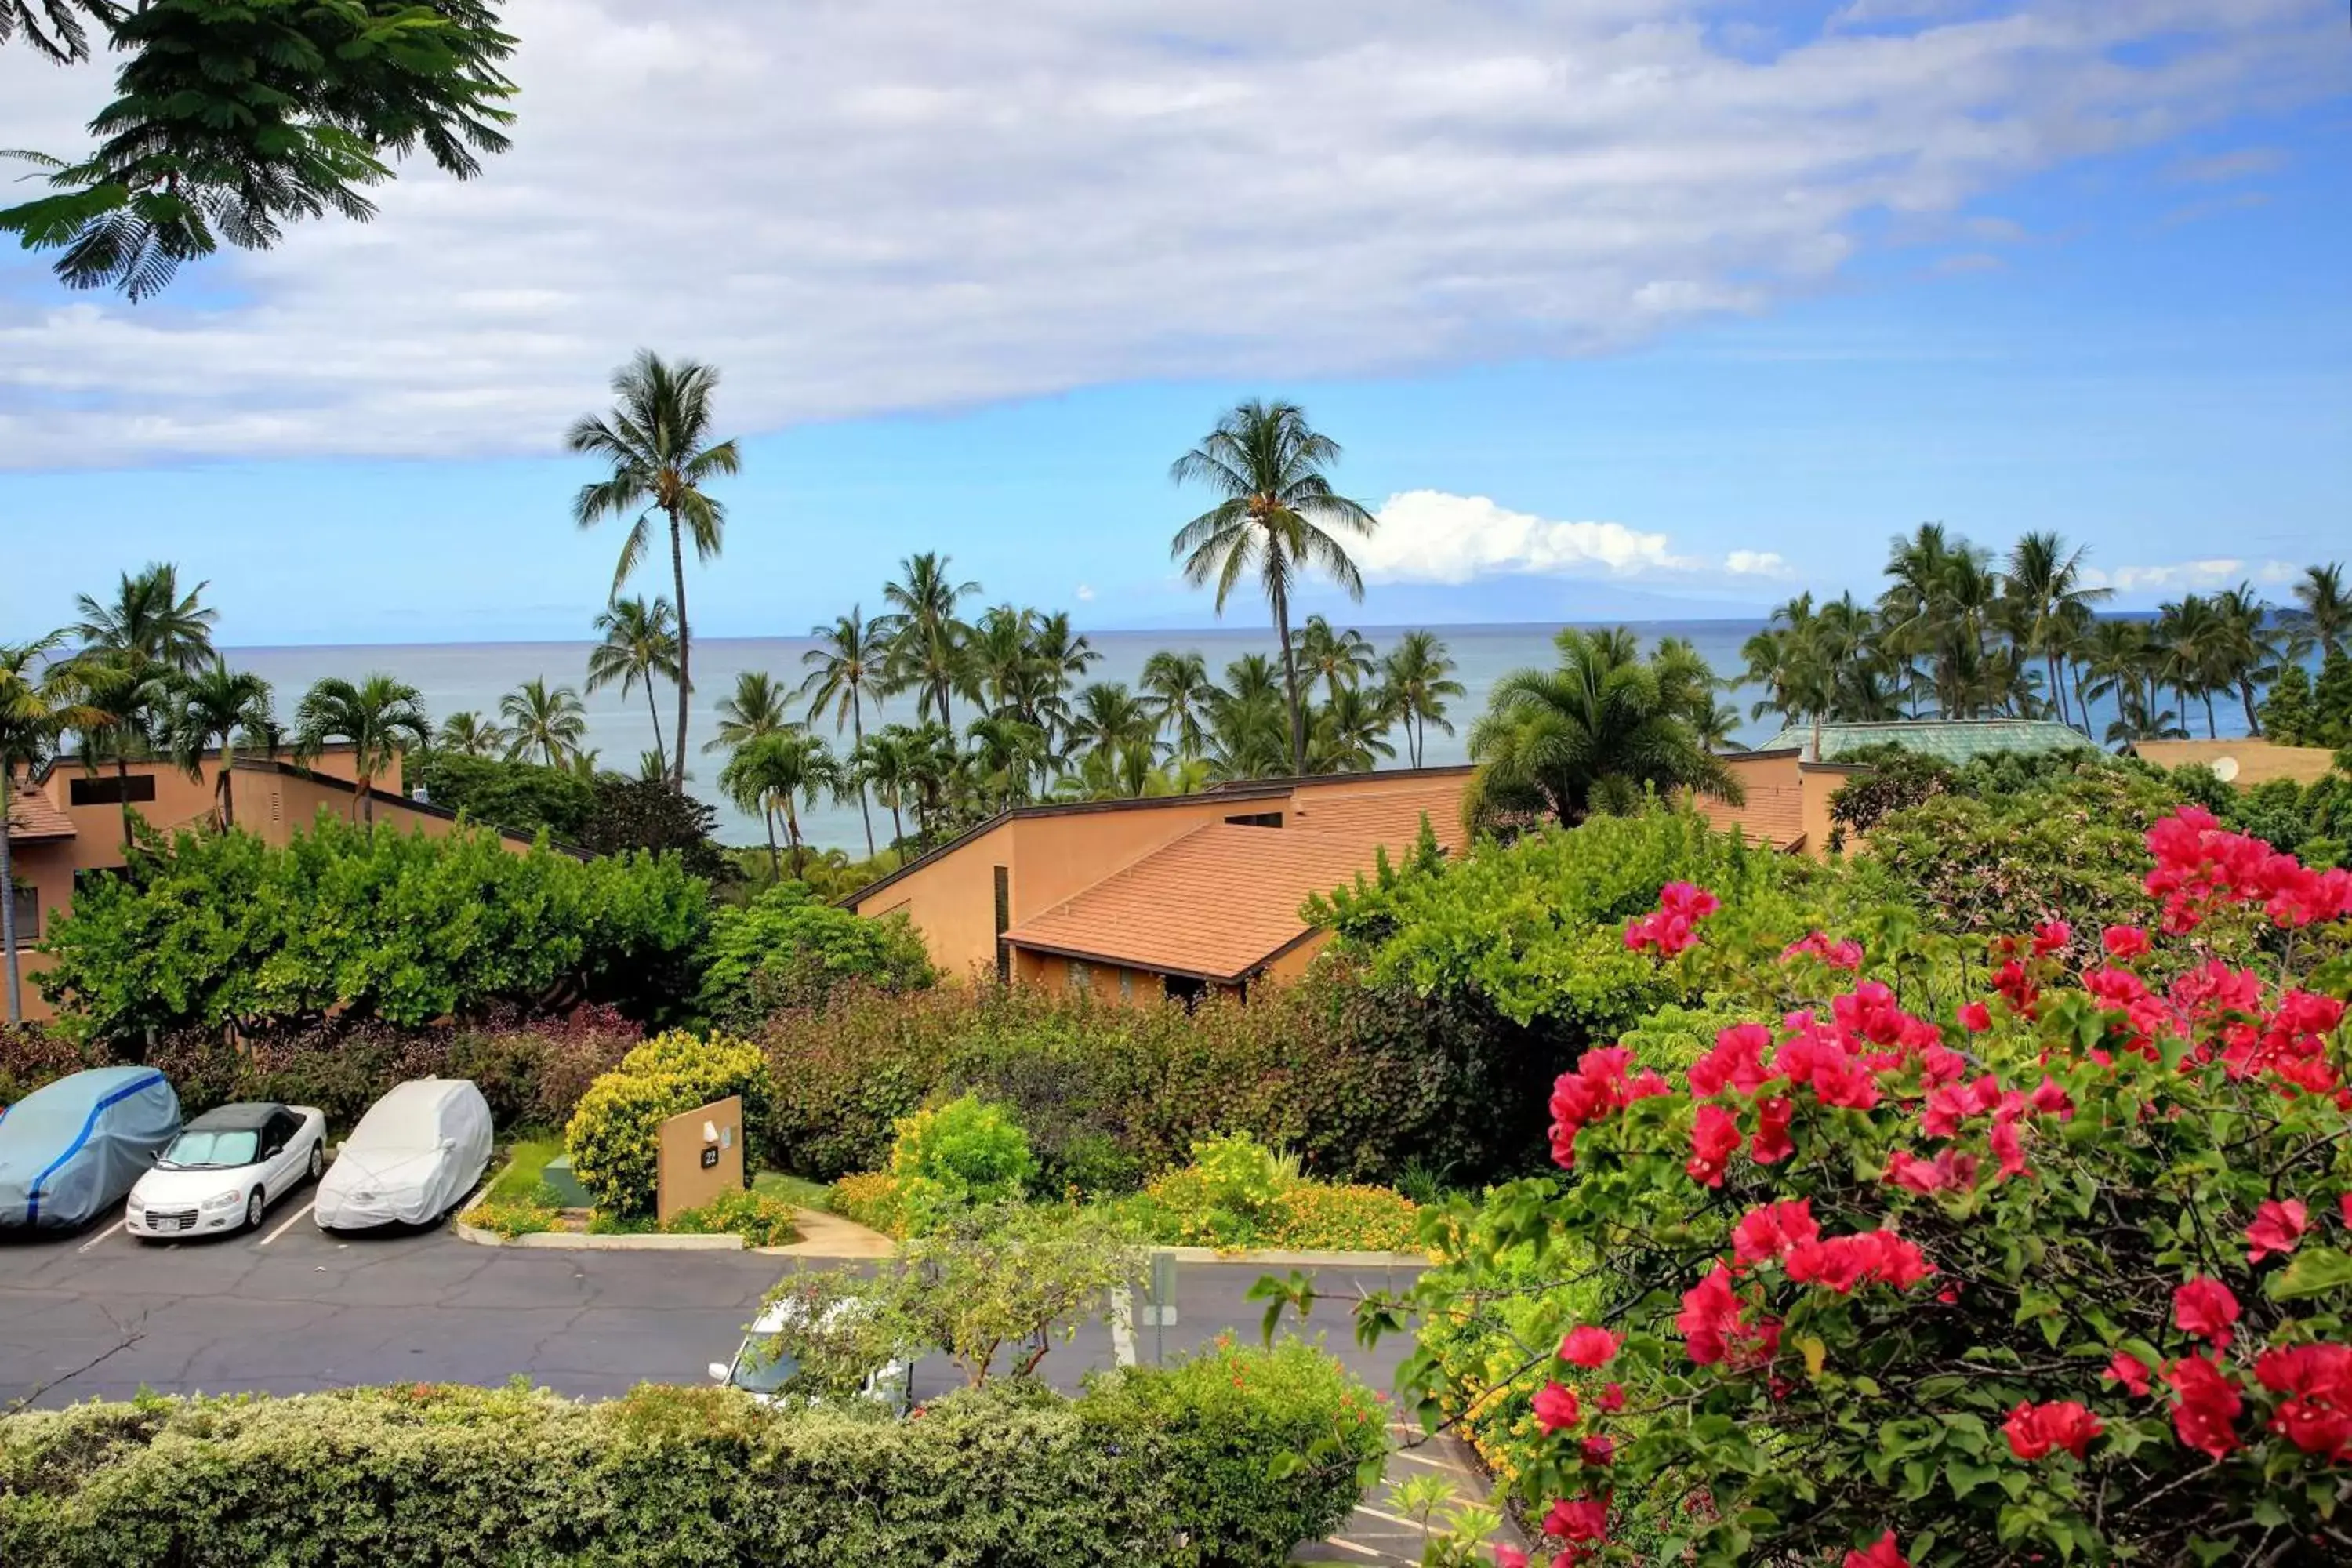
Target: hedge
[1147,1467]
[611,1137]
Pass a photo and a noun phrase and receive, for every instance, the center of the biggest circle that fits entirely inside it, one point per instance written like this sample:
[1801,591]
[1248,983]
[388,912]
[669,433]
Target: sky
[1635,309]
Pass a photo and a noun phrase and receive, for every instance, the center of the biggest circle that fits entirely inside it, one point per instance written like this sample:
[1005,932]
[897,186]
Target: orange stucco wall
[48,869]
[1821,830]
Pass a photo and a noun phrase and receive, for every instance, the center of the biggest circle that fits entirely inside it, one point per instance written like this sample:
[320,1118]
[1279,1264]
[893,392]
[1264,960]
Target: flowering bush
[613,1133]
[954,1156]
[2063,1275]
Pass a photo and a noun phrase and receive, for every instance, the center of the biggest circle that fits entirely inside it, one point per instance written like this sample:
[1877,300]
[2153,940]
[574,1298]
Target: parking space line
[1351,1546]
[300,1215]
[102,1235]
[1412,1457]
[1371,1513]
[1122,1326]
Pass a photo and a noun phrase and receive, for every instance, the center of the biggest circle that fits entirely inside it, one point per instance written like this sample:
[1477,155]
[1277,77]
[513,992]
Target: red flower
[1844,955]
[2316,1414]
[1584,1521]
[2207,1413]
[1714,1137]
[2206,1309]
[1715,1325]
[1975,1017]
[2277,1227]
[2033,1430]
[1613,1398]
[2049,1098]
[1589,1347]
[2130,1372]
[1773,1144]
[1510,1557]
[1882,1554]
[2050,936]
[1556,1407]
[2343,1202]
[1670,931]
[1767,1233]
[1598,1450]
[2123,941]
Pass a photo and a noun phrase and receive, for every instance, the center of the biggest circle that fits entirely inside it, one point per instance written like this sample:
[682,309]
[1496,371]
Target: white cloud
[1083,593]
[1429,536]
[910,204]
[1755,564]
[2190,576]
[2224,166]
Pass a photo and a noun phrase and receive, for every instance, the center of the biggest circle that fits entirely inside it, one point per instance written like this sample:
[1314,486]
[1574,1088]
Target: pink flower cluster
[2202,866]
[1596,1087]
[1844,955]
[1785,1233]
[2035,1430]
[1673,927]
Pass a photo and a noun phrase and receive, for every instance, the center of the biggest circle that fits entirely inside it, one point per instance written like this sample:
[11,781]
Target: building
[66,822]
[1172,896]
[1955,741]
[2245,762]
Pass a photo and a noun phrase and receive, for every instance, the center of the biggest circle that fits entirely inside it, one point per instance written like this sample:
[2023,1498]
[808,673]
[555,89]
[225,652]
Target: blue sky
[2099,291]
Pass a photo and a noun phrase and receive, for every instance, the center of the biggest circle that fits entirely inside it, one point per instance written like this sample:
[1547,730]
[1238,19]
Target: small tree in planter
[2064,1275]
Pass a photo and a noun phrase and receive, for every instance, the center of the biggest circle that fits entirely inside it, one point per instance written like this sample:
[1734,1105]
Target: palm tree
[926,640]
[846,663]
[1792,659]
[216,707]
[2119,655]
[375,716]
[2247,650]
[2046,580]
[2323,614]
[552,723]
[468,734]
[1419,676]
[1276,520]
[1178,691]
[1337,658]
[1246,739]
[756,708]
[657,444]
[1110,720]
[149,630]
[1350,733]
[886,762]
[35,709]
[1007,755]
[640,643]
[1592,735]
[772,770]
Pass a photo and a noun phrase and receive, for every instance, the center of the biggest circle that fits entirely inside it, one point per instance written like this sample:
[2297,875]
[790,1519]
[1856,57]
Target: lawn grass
[525,1169]
[798,1191]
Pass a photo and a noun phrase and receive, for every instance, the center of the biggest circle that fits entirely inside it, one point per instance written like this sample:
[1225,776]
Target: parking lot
[289,1308]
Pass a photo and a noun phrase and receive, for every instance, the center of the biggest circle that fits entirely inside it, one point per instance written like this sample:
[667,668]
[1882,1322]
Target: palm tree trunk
[654,709]
[2210,733]
[122,795]
[857,735]
[228,794]
[1290,688]
[2246,695]
[793,828]
[685,680]
[776,861]
[898,824]
[8,904]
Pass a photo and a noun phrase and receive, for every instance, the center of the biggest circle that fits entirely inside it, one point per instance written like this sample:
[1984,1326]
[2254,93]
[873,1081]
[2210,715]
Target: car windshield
[763,1365]
[203,1150]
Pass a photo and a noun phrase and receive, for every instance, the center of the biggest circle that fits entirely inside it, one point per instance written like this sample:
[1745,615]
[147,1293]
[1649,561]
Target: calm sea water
[455,676]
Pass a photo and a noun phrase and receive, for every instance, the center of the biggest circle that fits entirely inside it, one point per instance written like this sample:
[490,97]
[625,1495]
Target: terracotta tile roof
[1774,815]
[33,820]
[2259,762]
[1216,903]
[1391,816]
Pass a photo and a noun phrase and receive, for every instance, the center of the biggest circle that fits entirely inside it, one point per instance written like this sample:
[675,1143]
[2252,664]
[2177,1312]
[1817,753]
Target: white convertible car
[225,1169]
[412,1159]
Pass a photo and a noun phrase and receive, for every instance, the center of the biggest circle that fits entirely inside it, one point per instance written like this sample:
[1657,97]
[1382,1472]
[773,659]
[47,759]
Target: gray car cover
[70,1150]
[412,1159]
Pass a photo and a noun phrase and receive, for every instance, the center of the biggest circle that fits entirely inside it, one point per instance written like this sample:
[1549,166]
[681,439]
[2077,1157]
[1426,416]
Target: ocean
[456,676]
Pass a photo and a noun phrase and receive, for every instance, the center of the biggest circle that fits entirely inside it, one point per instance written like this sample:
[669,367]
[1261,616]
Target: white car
[764,1362]
[225,1168]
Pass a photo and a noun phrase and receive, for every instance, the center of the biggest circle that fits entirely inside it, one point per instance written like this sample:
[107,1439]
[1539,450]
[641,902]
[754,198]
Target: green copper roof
[1956,741]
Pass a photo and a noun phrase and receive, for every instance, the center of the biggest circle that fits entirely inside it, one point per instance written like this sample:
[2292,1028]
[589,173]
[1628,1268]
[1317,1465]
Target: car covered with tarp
[70,1150]
[412,1159]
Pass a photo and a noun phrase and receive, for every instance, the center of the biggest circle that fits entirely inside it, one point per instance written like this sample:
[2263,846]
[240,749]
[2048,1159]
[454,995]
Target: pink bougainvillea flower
[1767,1233]
[1846,955]
[1599,1449]
[1670,930]
[1510,1557]
[2034,1430]
[1715,1325]
[2277,1228]
[2206,1413]
[1556,1407]
[2050,936]
[2205,1307]
[1582,1523]
[2008,1147]
[1589,1347]
[2316,1414]
[1975,1017]
[1713,1138]
[1883,1554]
[1613,1398]
[1772,1143]
[2123,941]
[2049,1098]
[2129,1370]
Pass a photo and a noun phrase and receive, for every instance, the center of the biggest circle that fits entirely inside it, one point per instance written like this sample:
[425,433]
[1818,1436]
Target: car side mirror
[719,1371]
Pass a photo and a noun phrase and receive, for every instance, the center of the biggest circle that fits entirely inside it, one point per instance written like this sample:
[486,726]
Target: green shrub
[511,1216]
[613,1136]
[958,1154]
[212,930]
[758,1219]
[522,797]
[784,948]
[1149,1469]
[871,1198]
[1241,1195]
[31,1055]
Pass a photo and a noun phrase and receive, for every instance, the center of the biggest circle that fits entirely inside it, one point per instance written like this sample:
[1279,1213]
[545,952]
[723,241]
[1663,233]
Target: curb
[580,1241]
[1277,1258]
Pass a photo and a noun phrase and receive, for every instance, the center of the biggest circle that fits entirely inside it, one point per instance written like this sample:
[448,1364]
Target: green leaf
[2315,1271]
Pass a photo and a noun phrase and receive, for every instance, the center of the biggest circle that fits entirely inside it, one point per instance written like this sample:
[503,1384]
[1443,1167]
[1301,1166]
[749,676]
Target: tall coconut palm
[375,716]
[886,762]
[1337,658]
[2247,646]
[1418,674]
[35,709]
[1109,718]
[924,636]
[1592,735]
[2045,582]
[1007,756]
[1001,669]
[468,734]
[148,631]
[657,443]
[640,643]
[1278,518]
[755,707]
[1177,689]
[2194,638]
[2321,617]
[845,665]
[772,771]
[215,708]
[1246,722]
[552,723]
[2119,657]
[1349,734]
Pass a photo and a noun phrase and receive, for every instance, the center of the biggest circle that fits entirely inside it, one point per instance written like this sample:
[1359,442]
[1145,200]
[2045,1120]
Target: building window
[1127,986]
[1004,919]
[1081,977]
[1256,819]
[28,915]
[103,789]
[1184,989]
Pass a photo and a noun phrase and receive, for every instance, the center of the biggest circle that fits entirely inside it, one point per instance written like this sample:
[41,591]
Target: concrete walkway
[830,1235]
